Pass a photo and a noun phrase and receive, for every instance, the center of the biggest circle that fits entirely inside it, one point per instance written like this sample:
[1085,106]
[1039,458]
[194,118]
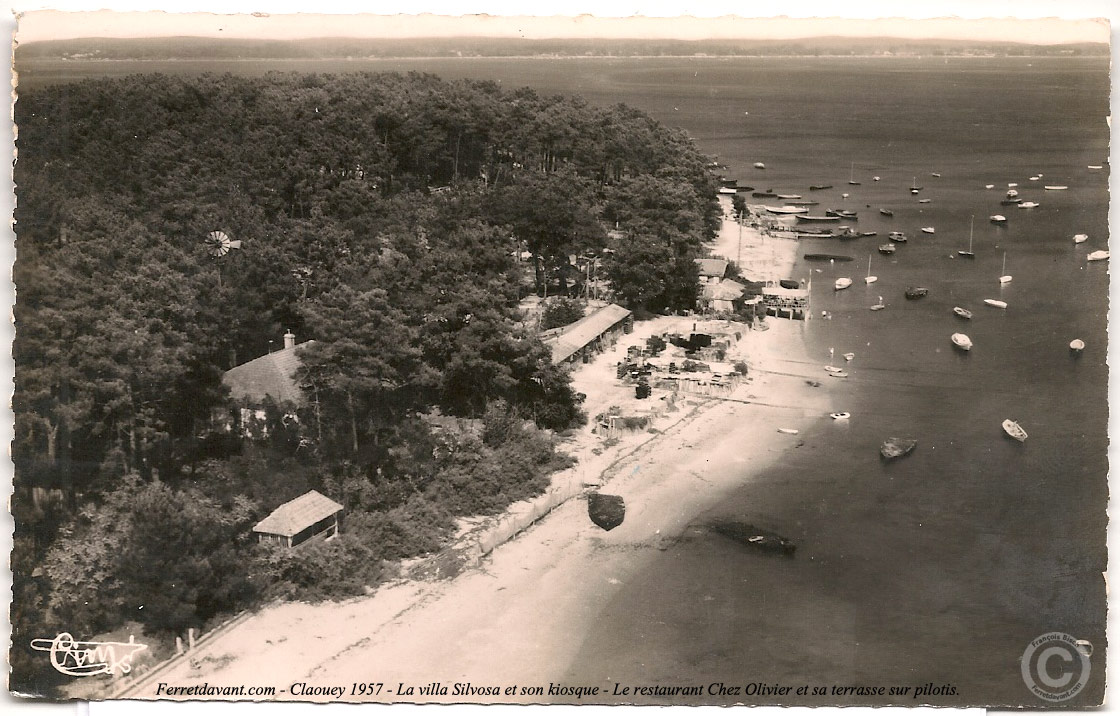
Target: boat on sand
[839,416]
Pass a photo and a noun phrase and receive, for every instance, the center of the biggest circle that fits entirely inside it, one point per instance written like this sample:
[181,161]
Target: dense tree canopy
[378,214]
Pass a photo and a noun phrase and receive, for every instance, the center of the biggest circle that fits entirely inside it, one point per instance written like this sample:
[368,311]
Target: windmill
[218,244]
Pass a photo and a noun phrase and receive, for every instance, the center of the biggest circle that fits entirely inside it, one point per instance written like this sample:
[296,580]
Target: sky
[661,20]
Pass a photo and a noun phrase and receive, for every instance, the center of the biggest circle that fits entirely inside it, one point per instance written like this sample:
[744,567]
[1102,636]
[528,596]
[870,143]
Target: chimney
[289,340]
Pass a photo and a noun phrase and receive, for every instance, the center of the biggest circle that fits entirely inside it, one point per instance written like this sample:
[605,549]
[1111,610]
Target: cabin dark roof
[293,517]
[270,375]
[579,334]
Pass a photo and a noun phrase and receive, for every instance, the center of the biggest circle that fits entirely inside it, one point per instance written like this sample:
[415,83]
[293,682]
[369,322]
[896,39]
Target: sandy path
[520,618]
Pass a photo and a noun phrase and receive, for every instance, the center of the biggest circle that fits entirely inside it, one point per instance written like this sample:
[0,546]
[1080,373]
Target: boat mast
[971,219]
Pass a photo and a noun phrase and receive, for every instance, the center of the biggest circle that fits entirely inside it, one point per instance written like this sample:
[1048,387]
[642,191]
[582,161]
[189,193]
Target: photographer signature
[86,658]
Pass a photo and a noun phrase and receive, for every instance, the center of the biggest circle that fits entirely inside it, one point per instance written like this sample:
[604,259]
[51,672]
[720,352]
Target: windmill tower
[218,244]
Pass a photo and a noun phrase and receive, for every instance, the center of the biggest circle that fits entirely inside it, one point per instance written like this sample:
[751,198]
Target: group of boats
[894,447]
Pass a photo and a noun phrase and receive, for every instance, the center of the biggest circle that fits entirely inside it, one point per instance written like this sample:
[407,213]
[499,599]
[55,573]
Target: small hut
[308,516]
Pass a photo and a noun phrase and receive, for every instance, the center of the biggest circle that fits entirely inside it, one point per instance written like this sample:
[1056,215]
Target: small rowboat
[995,303]
[1055,187]
[1013,429]
[841,374]
[788,431]
[897,237]
[819,187]
[789,196]
[787,209]
[916,292]
[759,165]
[989,186]
[886,212]
[997,219]
[1098,256]
[833,369]
[1080,238]
[839,416]
[842,283]
[928,230]
[887,249]
[961,341]
[1077,345]
[849,356]
[962,312]
[1028,204]
[897,447]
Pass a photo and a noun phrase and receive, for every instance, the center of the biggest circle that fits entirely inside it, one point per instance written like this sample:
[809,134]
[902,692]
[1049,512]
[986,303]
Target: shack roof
[293,517]
[270,375]
[712,267]
[574,337]
[724,290]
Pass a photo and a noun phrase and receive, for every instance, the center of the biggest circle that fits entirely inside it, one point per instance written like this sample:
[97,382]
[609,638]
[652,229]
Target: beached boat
[1028,204]
[887,249]
[1098,256]
[755,537]
[997,219]
[841,374]
[869,279]
[842,283]
[1015,430]
[832,368]
[839,416]
[961,341]
[1077,345]
[728,190]
[1004,276]
[962,312]
[788,431]
[995,303]
[787,209]
[819,187]
[807,218]
[897,447]
[1055,187]
[916,292]
[886,212]
[827,257]
[897,237]
[879,306]
[759,165]
[1080,238]
[928,230]
[968,254]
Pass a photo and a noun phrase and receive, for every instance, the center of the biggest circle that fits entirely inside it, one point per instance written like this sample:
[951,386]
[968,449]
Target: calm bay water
[942,567]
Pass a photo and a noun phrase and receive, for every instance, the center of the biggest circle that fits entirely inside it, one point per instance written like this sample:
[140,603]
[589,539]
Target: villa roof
[270,375]
[293,517]
[585,330]
[712,267]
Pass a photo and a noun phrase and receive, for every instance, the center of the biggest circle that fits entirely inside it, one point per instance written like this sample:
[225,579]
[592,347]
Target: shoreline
[520,615]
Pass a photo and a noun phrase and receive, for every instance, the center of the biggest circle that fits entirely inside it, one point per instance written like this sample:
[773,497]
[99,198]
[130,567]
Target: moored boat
[1098,256]
[789,196]
[842,213]
[897,447]
[879,306]
[997,219]
[961,341]
[1005,277]
[840,374]
[759,165]
[995,303]
[827,257]
[1015,430]
[728,190]
[816,218]
[819,187]
[1077,345]
[1010,202]
[764,195]
[788,431]
[842,283]
[968,254]
[897,237]
[915,292]
[886,212]
[840,416]
[787,209]
[887,249]
[962,312]
[1055,187]
[928,230]
[1080,238]
[1028,204]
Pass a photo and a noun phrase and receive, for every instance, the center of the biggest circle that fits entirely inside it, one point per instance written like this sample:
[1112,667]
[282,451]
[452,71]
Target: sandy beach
[521,616]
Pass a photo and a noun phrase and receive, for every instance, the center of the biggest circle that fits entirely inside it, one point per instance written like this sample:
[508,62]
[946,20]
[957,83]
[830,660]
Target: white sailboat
[879,306]
[968,254]
[870,279]
[1004,277]
[852,175]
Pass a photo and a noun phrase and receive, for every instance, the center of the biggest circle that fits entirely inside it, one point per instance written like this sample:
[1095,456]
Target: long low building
[590,334]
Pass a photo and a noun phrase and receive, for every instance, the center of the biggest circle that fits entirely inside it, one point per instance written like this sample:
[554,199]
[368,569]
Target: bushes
[560,312]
